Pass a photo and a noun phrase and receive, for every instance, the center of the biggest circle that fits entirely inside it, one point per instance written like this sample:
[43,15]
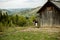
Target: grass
[28,35]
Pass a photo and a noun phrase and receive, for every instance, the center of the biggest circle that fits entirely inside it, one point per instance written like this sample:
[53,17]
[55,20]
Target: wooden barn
[49,14]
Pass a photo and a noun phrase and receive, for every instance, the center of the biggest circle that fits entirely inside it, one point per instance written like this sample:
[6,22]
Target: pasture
[30,33]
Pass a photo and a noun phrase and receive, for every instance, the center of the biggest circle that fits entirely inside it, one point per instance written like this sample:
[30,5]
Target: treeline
[14,21]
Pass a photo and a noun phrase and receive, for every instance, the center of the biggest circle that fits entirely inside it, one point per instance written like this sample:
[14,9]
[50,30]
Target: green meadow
[24,34]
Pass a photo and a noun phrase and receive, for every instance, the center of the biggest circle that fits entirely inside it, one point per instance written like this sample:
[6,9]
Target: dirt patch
[43,29]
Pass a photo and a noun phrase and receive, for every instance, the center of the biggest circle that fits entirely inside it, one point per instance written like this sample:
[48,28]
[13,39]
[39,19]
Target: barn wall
[49,17]
[56,17]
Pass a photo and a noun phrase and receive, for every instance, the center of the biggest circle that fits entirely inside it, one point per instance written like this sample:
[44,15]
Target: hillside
[28,12]
[22,11]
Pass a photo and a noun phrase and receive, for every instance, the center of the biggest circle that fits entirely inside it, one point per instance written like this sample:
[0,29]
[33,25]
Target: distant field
[26,33]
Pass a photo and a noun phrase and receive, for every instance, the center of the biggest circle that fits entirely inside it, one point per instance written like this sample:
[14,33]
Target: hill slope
[22,11]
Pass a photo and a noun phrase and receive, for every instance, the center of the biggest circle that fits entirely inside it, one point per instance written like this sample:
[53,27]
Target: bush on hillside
[22,21]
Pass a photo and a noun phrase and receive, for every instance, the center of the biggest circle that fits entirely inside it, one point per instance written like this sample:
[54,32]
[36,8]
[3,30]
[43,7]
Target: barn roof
[56,4]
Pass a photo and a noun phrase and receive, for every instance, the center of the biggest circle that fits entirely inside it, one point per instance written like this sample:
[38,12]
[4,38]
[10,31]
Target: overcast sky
[9,4]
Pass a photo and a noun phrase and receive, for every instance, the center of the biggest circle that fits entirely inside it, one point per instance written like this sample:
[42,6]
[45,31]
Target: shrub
[31,20]
[2,27]
[21,21]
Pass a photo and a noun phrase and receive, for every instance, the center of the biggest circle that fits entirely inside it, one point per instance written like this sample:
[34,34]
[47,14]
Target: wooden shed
[49,14]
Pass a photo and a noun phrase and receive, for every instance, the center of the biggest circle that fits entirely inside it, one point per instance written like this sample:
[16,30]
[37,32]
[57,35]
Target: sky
[10,4]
